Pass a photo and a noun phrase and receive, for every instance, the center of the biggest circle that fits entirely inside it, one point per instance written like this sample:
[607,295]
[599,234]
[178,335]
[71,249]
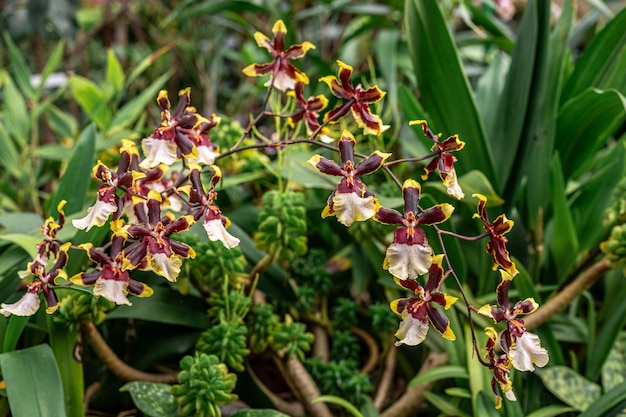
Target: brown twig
[389,371]
[414,398]
[116,365]
[563,298]
[372,358]
[292,408]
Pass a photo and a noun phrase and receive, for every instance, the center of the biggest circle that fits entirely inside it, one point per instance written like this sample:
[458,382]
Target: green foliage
[261,323]
[342,378]
[204,384]
[282,225]
[227,341]
[152,399]
[291,338]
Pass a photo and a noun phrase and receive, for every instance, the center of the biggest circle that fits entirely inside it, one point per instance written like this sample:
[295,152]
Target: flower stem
[64,341]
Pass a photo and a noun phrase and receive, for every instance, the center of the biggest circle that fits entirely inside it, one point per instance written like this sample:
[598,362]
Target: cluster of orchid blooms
[144,202]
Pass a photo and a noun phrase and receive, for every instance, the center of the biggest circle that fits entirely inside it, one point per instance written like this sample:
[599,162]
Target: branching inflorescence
[147,201]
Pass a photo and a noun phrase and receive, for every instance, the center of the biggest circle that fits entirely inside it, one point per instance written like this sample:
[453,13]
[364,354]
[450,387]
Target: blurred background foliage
[536,91]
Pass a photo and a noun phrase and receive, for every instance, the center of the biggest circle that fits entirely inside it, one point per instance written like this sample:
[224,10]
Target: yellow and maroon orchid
[410,254]
[357,101]
[283,75]
[308,110]
[496,246]
[351,201]
[443,160]
[417,311]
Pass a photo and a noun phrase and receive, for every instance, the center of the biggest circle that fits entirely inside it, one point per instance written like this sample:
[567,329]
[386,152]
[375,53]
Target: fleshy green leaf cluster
[204,384]
[226,340]
[292,338]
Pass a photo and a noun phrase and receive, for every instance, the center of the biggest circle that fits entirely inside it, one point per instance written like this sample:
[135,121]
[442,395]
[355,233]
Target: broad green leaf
[14,331]
[596,66]
[491,24]
[92,100]
[490,86]
[614,368]
[24,241]
[77,177]
[114,75]
[611,403]
[17,120]
[19,69]
[551,411]
[441,372]
[476,182]
[259,413]
[416,145]
[541,147]
[609,332]
[569,386]
[20,222]
[54,152]
[593,197]
[444,88]
[149,60]
[9,157]
[215,7]
[521,98]
[152,399]
[63,124]
[444,405]
[585,124]
[386,48]
[333,399]
[52,64]
[181,310]
[564,242]
[33,382]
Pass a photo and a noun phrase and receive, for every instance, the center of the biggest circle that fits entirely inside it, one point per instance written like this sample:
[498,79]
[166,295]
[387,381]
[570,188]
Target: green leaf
[601,59]
[33,382]
[152,399]
[92,100]
[114,75]
[215,7]
[569,386]
[77,177]
[333,399]
[551,411]
[19,69]
[564,241]
[610,404]
[149,60]
[441,372]
[63,124]
[9,157]
[491,84]
[20,222]
[614,368]
[476,182]
[585,124]
[14,331]
[444,405]
[52,64]
[24,241]
[445,90]
[521,98]
[17,120]
[259,413]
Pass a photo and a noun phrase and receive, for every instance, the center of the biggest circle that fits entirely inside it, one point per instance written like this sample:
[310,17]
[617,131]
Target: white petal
[205,156]
[408,261]
[510,395]
[282,81]
[412,332]
[112,290]
[157,151]
[25,306]
[97,215]
[452,185]
[350,208]
[167,267]
[527,351]
[216,231]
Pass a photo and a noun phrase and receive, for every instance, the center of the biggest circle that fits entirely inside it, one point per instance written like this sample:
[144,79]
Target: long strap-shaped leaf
[444,88]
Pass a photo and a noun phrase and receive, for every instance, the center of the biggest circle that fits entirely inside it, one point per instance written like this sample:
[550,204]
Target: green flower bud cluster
[79,306]
[292,338]
[282,225]
[214,263]
[616,212]
[261,322]
[205,383]
[227,341]
[234,306]
[341,378]
[311,270]
[615,246]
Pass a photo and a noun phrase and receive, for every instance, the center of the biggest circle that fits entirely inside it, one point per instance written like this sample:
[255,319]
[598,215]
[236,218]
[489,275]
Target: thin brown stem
[372,347]
[382,393]
[116,365]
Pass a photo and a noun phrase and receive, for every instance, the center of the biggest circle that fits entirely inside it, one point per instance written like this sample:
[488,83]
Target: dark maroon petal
[371,163]
[328,167]
[410,285]
[502,293]
[388,216]
[50,296]
[439,320]
[432,215]
[178,225]
[411,196]
[90,278]
[184,98]
[435,279]
[180,248]
[185,145]
[337,113]
[346,148]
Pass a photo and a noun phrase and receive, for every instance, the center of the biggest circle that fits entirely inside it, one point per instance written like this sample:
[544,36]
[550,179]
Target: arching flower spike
[496,246]
[443,160]
[284,75]
[410,254]
[417,311]
[357,101]
[351,201]
[501,366]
